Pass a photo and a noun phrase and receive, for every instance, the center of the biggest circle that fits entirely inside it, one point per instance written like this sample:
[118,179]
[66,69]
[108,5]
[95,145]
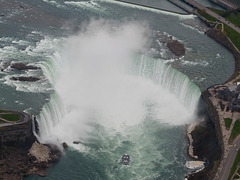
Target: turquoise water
[37,33]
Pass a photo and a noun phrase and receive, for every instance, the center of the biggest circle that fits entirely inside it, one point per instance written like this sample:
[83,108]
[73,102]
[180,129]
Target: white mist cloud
[93,81]
[96,87]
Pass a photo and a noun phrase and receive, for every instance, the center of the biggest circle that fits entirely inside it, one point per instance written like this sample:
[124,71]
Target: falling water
[101,81]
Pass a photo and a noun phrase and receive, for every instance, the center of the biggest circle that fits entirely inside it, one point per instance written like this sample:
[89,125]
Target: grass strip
[235,130]
[10,117]
[234,167]
[206,16]
[233,35]
[233,16]
[228,122]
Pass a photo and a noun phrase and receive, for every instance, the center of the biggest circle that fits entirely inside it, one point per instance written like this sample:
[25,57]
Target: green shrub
[236,177]
[235,130]
[235,164]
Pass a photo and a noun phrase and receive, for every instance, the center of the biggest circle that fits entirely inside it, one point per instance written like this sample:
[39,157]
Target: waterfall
[171,79]
[147,69]
[107,85]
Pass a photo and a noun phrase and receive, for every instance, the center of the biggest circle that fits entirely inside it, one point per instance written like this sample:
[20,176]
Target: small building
[235,104]
[227,95]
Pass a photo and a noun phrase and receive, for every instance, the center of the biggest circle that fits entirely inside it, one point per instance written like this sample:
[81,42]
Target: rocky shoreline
[20,153]
[18,160]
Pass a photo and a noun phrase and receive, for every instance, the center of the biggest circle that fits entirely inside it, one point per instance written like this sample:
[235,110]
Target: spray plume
[96,85]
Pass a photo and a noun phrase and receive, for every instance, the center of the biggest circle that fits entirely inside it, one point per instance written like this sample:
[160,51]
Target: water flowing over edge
[124,87]
[157,71]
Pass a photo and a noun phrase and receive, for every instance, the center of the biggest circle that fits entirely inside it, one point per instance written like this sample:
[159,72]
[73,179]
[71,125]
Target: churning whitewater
[107,91]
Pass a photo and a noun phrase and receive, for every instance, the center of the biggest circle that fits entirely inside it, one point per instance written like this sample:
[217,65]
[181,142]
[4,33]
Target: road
[220,18]
[229,161]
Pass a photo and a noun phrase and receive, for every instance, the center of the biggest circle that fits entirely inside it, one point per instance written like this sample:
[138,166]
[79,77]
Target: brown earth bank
[206,145]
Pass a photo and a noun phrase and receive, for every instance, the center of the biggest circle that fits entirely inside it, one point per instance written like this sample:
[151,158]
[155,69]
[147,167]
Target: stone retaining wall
[17,132]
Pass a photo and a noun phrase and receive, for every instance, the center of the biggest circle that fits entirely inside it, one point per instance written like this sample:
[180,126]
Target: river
[108,81]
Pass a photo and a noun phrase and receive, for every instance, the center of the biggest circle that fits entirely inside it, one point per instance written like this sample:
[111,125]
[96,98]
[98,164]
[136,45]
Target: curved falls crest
[110,85]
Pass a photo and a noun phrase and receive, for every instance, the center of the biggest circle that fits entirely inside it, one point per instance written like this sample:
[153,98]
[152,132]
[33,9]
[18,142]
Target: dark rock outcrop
[16,162]
[76,142]
[22,66]
[176,47]
[65,145]
[25,78]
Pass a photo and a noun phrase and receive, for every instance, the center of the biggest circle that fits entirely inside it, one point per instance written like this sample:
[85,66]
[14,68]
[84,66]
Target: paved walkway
[230,151]
[229,161]
[23,119]
[208,11]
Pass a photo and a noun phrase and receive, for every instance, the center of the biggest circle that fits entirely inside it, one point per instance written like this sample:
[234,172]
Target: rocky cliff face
[207,143]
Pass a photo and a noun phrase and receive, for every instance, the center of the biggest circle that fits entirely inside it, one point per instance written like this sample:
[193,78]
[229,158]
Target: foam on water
[46,47]
[8,52]
[53,3]
[40,86]
[195,63]
[191,27]
[89,5]
[20,42]
[38,52]
[195,165]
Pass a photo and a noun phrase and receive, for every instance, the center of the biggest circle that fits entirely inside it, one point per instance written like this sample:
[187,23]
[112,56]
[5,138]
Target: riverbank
[205,145]
[216,114]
